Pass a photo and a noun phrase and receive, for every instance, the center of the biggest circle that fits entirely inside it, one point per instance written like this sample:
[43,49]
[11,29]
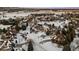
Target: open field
[28,29]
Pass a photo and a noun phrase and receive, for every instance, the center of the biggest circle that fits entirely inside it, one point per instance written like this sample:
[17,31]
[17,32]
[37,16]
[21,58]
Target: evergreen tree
[67,48]
[23,27]
[0,31]
[30,46]
[4,30]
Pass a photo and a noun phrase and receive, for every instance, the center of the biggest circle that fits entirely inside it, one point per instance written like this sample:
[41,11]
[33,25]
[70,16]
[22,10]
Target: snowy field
[36,37]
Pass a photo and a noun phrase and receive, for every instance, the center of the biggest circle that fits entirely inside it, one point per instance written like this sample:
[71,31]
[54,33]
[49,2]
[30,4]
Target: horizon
[69,8]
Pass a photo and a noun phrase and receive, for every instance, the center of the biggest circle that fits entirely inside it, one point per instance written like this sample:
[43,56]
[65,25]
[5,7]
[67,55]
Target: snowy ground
[49,46]
[36,37]
[4,26]
[13,15]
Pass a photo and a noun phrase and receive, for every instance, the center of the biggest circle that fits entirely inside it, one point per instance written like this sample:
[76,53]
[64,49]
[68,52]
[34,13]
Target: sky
[39,3]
